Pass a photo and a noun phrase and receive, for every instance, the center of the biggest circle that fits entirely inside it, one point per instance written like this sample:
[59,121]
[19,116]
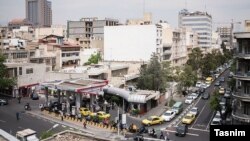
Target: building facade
[17,23]
[225,33]
[200,22]
[39,12]
[131,42]
[241,102]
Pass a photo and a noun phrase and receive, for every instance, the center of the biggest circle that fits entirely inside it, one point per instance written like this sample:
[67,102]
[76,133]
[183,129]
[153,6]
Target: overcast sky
[222,11]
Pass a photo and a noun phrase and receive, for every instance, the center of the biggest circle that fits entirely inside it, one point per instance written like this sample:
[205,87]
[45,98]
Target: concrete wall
[38,75]
[129,43]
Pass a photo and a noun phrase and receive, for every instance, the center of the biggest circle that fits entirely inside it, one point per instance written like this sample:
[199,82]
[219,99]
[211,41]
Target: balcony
[242,75]
[166,52]
[239,115]
[245,55]
[68,58]
[243,96]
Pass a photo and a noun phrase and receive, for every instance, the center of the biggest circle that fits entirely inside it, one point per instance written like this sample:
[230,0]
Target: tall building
[39,12]
[241,96]
[225,33]
[201,23]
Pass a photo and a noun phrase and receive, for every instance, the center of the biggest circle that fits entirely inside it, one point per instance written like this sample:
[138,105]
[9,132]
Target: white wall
[85,55]
[129,43]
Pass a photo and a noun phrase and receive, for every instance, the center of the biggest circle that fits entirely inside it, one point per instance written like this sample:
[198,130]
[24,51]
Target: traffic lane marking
[2,120]
[191,134]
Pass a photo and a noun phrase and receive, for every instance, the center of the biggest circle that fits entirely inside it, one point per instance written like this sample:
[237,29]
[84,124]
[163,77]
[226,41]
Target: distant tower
[39,12]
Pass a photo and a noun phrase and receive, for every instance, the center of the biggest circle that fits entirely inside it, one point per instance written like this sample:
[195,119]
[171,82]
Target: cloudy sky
[222,11]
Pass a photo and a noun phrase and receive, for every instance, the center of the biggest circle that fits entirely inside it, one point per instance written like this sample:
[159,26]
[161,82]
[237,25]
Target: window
[20,71]
[29,71]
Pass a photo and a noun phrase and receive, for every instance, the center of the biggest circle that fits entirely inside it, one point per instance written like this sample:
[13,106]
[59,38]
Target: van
[177,107]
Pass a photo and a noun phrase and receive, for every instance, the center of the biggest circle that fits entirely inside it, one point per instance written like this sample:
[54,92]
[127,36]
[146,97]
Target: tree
[208,64]
[155,75]
[5,81]
[215,102]
[94,59]
[195,59]
[187,78]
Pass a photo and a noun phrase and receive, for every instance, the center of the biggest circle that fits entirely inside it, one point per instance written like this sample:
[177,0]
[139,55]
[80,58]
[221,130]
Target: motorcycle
[27,107]
[138,137]
[152,133]
[143,130]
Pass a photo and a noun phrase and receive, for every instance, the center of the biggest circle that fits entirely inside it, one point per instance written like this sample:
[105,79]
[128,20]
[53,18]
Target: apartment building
[247,25]
[201,23]
[225,33]
[177,44]
[39,12]
[131,42]
[241,96]
[89,32]
[58,30]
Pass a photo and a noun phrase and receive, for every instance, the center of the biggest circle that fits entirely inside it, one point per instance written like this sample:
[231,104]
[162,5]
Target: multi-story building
[225,33]
[241,103]
[176,44]
[89,32]
[201,23]
[39,12]
[58,30]
[131,42]
[17,23]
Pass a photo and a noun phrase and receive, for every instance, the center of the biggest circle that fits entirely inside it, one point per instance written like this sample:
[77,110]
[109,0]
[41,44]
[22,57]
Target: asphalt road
[10,124]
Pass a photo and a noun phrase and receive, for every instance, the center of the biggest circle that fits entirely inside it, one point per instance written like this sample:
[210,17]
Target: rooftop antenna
[205,6]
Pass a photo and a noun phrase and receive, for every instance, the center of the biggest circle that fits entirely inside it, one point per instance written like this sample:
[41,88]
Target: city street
[10,124]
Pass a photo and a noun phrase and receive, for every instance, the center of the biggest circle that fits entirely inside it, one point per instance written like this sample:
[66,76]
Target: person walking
[61,113]
[84,124]
[17,116]
[166,136]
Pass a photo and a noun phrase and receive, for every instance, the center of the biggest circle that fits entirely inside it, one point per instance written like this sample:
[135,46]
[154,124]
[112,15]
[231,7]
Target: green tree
[195,59]
[188,78]
[231,83]
[94,59]
[5,81]
[215,102]
[155,75]
[208,64]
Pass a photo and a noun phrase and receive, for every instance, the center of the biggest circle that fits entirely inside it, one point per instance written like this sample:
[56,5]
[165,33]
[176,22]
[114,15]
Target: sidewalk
[91,130]
[160,109]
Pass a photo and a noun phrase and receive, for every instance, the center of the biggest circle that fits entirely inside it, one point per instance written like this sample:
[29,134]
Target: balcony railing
[238,114]
[241,95]
[243,54]
[167,52]
[242,75]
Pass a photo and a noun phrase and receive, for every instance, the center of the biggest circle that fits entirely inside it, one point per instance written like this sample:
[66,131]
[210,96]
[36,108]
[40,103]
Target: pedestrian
[166,136]
[84,124]
[17,115]
[61,113]
[19,99]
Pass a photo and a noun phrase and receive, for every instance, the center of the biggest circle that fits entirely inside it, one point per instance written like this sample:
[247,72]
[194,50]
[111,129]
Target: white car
[198,84]
[194,95]
[194,111]
[168,115]
[189,100]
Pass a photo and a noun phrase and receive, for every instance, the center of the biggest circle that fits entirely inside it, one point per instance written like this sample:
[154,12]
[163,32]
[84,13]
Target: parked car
[189,100]
[152,120]
[101,115]
[198,84]
[205,95]
[194,111]
[3,101]
[194,95]
[168,115]
[34,96]
[188,119]
[85,111]
[181,130]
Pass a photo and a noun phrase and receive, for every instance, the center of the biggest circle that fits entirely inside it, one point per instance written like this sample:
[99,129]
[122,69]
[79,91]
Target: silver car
[194,111]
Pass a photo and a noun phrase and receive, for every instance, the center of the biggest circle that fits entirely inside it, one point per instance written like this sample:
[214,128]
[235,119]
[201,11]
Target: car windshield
[215,122]
[149,118]
[167,114]
[193,110]
[189,98]
[188,117]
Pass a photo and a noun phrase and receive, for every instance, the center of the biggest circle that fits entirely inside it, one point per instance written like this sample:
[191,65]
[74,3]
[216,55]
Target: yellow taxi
[85,111]
[101,115]
[152,120]
[221,90]
[188,119]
